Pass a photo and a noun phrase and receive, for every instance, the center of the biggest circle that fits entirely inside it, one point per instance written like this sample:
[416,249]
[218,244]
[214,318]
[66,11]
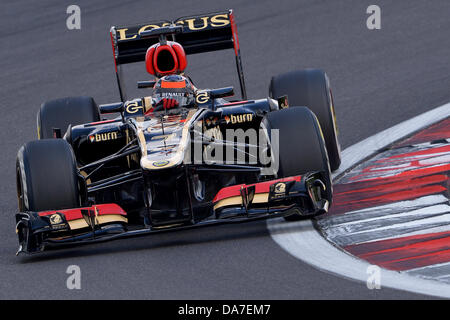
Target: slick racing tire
[301,146]
[47,176]
[61,113]
[311,88]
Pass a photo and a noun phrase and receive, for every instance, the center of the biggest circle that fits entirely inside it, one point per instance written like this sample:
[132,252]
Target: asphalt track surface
[379,78]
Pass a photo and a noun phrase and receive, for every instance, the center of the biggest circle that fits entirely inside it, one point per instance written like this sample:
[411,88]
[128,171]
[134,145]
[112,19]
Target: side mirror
[221,92]
[111,107]
[146,84]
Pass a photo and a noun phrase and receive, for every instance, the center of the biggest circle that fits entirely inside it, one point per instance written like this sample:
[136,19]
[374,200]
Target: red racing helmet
[164,59]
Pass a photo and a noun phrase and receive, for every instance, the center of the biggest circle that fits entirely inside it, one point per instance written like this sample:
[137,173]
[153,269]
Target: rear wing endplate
[201,33]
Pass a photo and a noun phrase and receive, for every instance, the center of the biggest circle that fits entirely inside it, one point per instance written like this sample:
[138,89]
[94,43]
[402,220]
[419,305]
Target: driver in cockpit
[167,61]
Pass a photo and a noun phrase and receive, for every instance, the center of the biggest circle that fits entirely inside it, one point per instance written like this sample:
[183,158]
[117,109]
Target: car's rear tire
[301,145]
[60,113]
[311,88]
[47,176]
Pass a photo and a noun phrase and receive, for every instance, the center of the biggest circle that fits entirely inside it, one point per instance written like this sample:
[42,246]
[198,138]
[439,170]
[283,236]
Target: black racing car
[179,157]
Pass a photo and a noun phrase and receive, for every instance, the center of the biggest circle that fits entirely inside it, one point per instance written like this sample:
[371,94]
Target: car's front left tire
[46,176]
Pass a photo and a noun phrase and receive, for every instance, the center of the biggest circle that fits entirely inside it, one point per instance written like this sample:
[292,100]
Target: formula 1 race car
[180,157]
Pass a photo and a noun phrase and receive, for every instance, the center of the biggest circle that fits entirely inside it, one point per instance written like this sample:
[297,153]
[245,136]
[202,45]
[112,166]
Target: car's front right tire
[60,113]
[301,146]
[311,88]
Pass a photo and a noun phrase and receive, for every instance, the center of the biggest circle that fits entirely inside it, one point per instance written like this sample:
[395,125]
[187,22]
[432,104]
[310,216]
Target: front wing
[302,195]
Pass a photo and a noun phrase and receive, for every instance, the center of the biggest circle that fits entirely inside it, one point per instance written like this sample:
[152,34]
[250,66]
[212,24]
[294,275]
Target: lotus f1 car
[179,157]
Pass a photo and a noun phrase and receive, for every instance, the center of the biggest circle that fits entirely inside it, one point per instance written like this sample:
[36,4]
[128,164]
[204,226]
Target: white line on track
[304,242]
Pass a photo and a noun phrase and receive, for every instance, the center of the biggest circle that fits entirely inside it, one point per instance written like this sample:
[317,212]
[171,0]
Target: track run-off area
[391,209]
[379,78]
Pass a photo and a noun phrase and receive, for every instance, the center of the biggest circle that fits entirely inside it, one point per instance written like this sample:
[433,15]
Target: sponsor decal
[211,121]
[280,188]
[133,107]
[191,24]
[57,221]
[172,94]
[98,137]
[202,97]
[160,164]
[240,118]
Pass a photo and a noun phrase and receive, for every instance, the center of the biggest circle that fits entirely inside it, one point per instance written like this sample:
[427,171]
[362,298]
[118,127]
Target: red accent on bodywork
[101,122]
[235,103]
[74,214]
[235,34]
[261,187]
[114,50]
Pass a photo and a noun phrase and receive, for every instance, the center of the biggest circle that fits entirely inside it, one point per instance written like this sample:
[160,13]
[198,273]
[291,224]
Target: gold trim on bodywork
[78,224]
[107,218]
[179,154]
[147,104]
[84,174]
[237,200]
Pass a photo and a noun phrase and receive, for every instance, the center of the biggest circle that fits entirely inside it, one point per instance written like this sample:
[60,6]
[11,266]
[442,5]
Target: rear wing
[201,33]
